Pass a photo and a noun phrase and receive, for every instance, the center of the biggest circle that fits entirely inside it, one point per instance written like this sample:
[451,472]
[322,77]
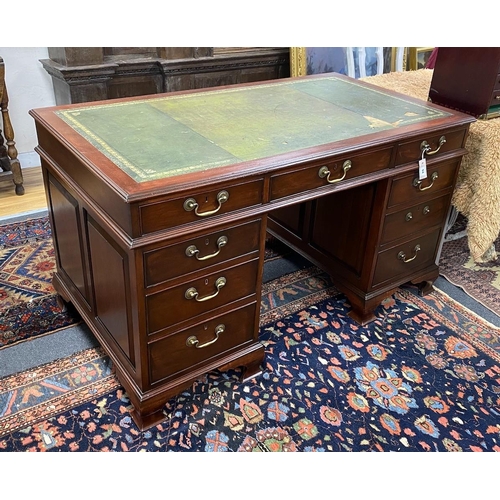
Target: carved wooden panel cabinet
[83,74]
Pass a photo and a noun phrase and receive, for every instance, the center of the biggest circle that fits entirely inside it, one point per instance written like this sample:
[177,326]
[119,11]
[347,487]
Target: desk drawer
[405,189]
[199,344]
[198,253]
[199,205]
[416,218]
[404,259]
[411,151]
[195,297]
[315,176]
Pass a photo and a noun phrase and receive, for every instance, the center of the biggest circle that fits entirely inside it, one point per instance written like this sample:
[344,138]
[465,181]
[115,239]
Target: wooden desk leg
[15,166]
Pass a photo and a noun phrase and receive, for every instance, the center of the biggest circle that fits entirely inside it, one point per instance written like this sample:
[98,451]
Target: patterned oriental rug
[28,305]
[480,280]
[424,376]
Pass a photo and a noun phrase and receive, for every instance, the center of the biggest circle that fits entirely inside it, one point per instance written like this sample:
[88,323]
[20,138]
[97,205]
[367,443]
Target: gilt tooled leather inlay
[171,135]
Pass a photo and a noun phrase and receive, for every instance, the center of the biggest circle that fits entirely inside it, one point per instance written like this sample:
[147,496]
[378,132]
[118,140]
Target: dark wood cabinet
[84,74]
[162,252]
[468,79]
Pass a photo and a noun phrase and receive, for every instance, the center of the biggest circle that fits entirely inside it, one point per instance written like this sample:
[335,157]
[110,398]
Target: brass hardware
[402,255]
[324,172]
[409,216]
[192,293]
[193,341]
[426,210]
[191,250]
[497,97]
[426,149]
[191,204]
[418,183]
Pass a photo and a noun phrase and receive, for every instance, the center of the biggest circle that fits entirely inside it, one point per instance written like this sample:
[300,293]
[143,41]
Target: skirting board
[29,159]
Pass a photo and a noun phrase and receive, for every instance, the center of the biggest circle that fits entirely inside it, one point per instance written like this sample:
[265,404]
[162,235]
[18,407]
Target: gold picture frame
[300,59]
[417,57]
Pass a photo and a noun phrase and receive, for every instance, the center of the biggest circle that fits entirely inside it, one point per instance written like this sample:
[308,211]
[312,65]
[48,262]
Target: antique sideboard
[159,209]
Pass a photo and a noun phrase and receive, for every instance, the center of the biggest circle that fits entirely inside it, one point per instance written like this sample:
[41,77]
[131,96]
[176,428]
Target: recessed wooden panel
[340,225]
[110,285]
[67,235]
[291,218]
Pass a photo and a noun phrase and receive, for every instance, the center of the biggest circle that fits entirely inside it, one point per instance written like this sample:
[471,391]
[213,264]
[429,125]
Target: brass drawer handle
[193,341]
[192,293]
[402,255]
[418,183]
[191,204]
[426,210]
[324,172]
[426,149]
[191,250]
[409,217]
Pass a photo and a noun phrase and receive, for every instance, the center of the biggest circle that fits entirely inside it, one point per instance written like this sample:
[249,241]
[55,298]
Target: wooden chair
[9,163]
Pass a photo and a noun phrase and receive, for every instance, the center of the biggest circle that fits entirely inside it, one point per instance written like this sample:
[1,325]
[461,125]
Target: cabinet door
[67,236]
[110,283]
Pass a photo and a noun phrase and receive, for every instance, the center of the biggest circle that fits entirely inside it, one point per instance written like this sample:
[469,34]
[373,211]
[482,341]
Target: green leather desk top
[161,137]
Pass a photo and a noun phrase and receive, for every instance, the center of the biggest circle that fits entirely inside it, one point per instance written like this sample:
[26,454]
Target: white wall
[29,86]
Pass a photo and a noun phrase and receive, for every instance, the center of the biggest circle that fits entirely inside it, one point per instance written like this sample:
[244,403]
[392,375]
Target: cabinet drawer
[198,344]
[314,176]
[195,297]
[416,218]
[405,189]
[199,205]
[404,259]
[411,151]
[198,253]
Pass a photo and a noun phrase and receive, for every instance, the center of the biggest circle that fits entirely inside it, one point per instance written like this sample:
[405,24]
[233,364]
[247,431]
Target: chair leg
[15,165]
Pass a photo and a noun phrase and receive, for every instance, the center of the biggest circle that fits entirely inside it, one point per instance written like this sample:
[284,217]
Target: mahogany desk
[159,207]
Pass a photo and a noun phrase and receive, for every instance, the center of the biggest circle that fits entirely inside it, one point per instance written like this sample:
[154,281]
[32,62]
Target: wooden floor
[33,198]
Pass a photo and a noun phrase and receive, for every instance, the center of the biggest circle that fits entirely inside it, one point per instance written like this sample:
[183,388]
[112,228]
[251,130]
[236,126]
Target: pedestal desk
[159,208]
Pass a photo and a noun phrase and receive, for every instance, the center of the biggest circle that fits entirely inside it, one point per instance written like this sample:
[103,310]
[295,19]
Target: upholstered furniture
[9,163]
[477,193]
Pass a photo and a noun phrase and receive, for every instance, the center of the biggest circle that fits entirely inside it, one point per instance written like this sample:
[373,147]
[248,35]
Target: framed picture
[418,56]
[352,61]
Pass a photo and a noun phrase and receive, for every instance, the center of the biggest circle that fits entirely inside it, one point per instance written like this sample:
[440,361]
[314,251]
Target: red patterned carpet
[424,376]
[28,302]
[481,281]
